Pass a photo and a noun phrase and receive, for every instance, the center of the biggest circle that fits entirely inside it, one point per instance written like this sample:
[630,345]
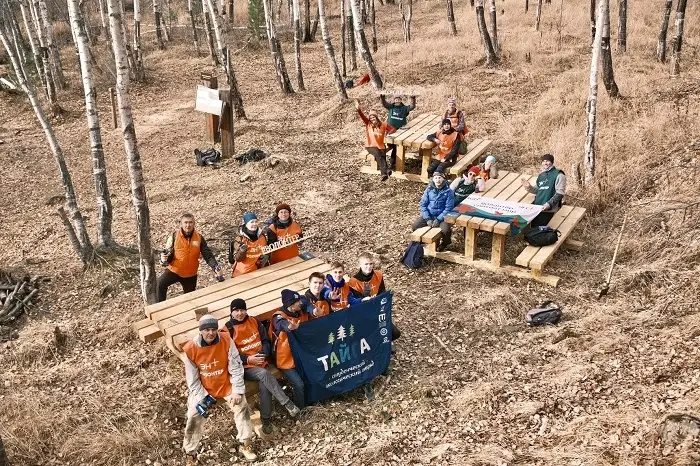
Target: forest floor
[594,390]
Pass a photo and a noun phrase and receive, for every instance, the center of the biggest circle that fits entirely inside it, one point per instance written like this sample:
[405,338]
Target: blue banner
[345,349]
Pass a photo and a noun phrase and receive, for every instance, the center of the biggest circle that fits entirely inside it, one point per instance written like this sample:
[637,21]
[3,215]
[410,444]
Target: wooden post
[113,101]
[498,247]
[211,121]
[469,243]
[427,155]
[400,158]
[226,124]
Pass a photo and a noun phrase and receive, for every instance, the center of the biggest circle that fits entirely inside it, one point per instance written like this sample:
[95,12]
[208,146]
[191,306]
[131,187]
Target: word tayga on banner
[345,349]
[515,213]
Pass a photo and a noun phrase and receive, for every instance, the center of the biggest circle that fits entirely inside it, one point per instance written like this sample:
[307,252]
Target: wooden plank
[463,220]
[400,159]
[221,286]
[498,248]
[487,224]
[451,217]
[432,236]
[469,157]
[230,291]
[149,334]
[504,182]
[427,155]
[143,323]
[248,295]
[417,235]
[510,189]
[521,193]
[420,133]
[469,243]
[493,181]
[399,135]
[420,140]
[501,228]
[529,252]
[546,253]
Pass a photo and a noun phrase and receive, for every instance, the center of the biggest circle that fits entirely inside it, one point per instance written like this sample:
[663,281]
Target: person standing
[447,140]
[214,371]
[375,130]
[252,239]
[285,229]
[397,114]
[549,190]
[438,200]
[181,258]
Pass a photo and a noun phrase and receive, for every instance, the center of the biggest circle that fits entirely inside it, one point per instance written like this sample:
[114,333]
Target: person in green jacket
[548,190]
[397,113]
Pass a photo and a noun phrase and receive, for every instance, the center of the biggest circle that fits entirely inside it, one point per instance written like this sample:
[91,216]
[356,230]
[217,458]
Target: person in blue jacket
[437,201]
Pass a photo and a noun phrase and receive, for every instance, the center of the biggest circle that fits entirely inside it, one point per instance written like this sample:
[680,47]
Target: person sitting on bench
[284,227]
[337,290]
[321,306]
[489,168]
[437,201]
[375,130]
[248,255]
[447,140]
[549,190]
[397,113]
[470,182]
[253,346]
[456,117]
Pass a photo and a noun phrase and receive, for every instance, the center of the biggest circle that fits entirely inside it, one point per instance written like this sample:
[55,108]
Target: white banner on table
[515,213]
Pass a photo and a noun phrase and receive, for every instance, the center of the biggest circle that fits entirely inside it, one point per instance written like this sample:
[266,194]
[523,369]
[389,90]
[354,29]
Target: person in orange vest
[321,306]
[455,116]
[181,258]
[288,319]
[214,371]
[252,239]
[337,290]
[447,140]
[253,346]
[375,130]
[284,228]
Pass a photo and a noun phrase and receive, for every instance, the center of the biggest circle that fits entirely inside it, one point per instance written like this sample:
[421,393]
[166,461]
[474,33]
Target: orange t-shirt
[212,362]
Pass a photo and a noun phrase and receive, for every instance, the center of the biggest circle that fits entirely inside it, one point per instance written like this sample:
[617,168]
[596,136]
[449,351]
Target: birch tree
[491,58]
[218,33]
[307,21]
[622,26]
[373,24]
[158,18]
[350,41]
[193,24]
[330,54]
[48,71]
[661,46]
[33,42]
[538,15]
[76,225]
[589,150]
[133,158]
[678,41]
[55,56]
[209,33]
[406,16]
[608,74]
[138,54]
[343,29]
[276,51]
[364,46]
[451,18]
[297,44]
[494,26]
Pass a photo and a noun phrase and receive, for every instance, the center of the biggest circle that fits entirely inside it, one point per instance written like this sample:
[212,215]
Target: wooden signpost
[217,104]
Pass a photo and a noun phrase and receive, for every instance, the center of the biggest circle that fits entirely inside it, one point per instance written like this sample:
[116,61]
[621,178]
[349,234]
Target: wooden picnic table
[413,138]
[532,260]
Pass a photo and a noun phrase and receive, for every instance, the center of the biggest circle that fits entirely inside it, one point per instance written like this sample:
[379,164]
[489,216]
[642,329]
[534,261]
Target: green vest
[463,191]
[397,115]
[545,186]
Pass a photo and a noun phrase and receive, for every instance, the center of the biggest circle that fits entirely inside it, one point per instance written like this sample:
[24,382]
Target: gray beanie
[208,321]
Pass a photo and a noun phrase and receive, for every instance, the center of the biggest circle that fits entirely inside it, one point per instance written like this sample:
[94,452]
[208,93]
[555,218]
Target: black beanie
[446,121]
[289,297]
[238,303]
[549,157]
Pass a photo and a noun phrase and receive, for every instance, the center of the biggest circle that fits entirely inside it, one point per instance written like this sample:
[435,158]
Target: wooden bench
[475,150]
[428,236]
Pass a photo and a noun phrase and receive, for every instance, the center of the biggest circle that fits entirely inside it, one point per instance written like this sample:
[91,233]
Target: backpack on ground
[463,147]
[413,255]
[548,313]
[207,157]
[541,236]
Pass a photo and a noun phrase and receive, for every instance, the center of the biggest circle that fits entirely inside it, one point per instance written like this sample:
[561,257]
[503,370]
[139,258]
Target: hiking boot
[393,348]
[247,451]
[369,392]
[267,428]
[191,460]
[443,244]
[292,409]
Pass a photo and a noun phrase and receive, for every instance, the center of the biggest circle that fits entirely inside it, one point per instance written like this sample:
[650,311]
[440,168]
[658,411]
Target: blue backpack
[413,255]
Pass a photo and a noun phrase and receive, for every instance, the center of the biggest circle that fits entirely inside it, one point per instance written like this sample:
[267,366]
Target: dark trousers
[168,278]
[395,332]
[392,156]
[437,165]
[446,228]
[542,218]
[268,387]
[297,384]
[380,157]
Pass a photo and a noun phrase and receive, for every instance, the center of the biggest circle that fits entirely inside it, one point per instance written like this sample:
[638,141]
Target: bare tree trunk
[139,70]
[49,81]
[343,30]
[349,28]
[57,69]
[364,46]
[77,223]
[494,27]
[330,55]
[451,18]
[194,26]
[33,42]
[218,33]
[307,21]
[608,74]
[363,10]
[230,11]
[314,27]
[527,5]
[373,23]
[209,35]
[491,58]
[104,21]
[159,24]
[622,27]
[297,44]
[406,16]
[17,38]
[276,52]
[129,53]
[593,20]
[233,85]
[99,170]
[167,23]
[661,47]
[138,186]
[678,41]
[538,15]
[589,150]
[90,37]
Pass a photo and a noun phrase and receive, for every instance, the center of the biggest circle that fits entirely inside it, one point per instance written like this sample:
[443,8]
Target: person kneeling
[437,201]
[221,377]
[253,346]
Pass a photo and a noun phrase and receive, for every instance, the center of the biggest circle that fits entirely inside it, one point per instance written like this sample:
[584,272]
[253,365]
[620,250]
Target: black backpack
[547,313]
[413,255]
[207,157]
[541,236]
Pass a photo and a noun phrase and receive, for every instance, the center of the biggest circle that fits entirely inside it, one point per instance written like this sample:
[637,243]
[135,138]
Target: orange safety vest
[290,251]
[447,142]
[186,252]
[284,358]
[344,293]
[248,339]
[454,119]
[252,254]
[375,134]
[212,362]
[370,288]
[320,304]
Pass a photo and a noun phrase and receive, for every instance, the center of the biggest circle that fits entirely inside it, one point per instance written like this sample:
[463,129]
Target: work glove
[435,223]
[243,248]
